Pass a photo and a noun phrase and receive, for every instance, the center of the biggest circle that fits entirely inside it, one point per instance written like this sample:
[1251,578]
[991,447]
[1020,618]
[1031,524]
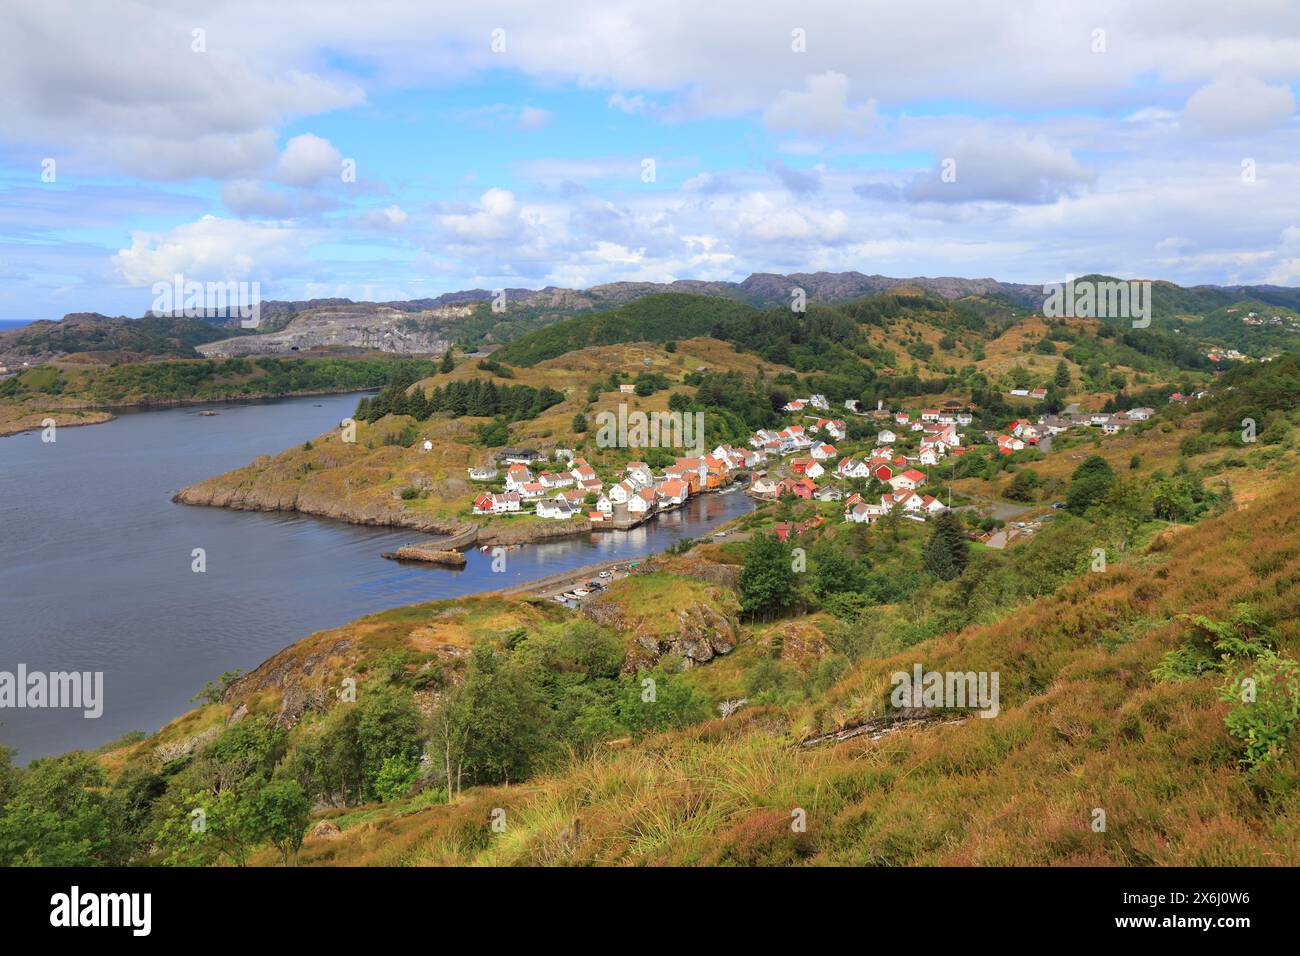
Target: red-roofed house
[674,491]
[909,480]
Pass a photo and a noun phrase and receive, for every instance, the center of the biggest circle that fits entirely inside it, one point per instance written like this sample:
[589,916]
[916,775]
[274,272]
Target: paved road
[1002,510]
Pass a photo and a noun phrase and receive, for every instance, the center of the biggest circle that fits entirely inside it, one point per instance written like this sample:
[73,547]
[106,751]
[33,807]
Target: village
[803,460]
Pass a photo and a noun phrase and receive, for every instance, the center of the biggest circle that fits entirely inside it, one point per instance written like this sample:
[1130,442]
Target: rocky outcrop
[362,326]
[724,575]
[697,632]
[297,676]
[325,830]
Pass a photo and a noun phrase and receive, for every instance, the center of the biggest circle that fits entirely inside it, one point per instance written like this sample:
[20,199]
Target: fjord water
[95,562]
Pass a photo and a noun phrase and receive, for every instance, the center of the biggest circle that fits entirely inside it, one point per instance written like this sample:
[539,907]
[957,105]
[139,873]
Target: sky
[394,150]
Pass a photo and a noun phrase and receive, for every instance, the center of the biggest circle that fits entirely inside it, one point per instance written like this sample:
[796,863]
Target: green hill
[655,318]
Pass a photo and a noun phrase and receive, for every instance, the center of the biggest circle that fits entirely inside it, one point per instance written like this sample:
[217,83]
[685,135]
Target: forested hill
[656,318]
[152,336]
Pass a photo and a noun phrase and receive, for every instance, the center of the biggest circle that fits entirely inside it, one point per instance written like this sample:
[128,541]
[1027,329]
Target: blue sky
[1022,141]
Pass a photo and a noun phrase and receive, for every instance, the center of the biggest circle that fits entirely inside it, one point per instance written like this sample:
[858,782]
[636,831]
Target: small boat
[580,592]
[207,412]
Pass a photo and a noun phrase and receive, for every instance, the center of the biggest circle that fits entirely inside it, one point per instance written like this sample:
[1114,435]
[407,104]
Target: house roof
[913,474]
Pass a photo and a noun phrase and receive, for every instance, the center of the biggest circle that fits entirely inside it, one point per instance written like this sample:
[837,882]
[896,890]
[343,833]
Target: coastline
[151,404]
[460,533]
[61,420]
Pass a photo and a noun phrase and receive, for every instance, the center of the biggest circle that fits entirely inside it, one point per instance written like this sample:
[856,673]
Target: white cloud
[990,167]
[307,159]
[1237,106]
[497,217]
[821,107]
[247,197]
[390,218]
[631,105]
[211,250]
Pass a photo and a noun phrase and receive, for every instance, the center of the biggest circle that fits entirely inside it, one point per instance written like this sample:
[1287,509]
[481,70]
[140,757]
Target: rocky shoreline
[462,534]
[62,419]
[104,410]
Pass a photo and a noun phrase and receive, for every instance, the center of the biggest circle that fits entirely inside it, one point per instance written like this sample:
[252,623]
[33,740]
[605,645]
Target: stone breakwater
[415,552]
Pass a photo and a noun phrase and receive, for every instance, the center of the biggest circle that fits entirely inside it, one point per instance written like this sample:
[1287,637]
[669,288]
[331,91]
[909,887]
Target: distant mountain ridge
[429,325]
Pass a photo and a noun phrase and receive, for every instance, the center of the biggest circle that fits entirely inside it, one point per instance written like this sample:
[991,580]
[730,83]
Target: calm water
[95,562]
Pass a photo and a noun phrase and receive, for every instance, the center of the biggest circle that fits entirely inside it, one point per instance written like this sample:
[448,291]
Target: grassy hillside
[1084,726]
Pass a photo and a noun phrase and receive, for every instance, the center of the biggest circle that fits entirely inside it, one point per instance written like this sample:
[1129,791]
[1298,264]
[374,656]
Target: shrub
[1268,707]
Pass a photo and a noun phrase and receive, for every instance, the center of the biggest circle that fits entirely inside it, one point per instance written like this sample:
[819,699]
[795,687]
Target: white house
[1140,414]
[558,507]
[604,505]
[640,473]
[910,501]
[532,490]
[833,427]
[823,451]
[623,491]
[496,504]
[886,437]
[909,480]
[862,513]
[674,491]
[483,473]
[853,468]
[764,486]
[643,502]
[1010,443]
[518,476]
